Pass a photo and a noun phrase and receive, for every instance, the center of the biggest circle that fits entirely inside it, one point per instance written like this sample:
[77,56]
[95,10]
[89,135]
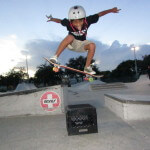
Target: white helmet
[76,12]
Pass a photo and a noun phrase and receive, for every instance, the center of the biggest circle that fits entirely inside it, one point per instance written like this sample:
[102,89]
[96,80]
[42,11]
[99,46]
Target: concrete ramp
[129,107]
[142,80]
[133,104]
[25,86]
[43,101]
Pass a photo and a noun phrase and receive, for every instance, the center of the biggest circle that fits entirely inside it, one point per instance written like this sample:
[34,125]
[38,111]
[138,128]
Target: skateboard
[88,77]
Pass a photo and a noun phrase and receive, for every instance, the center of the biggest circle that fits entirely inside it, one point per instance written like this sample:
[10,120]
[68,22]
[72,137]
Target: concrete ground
[49,132]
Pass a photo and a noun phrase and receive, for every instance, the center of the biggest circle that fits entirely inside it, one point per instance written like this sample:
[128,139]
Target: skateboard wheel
[86,79]
[90,79]
[55,69]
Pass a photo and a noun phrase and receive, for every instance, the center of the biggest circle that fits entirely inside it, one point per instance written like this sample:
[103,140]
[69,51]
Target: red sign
[50,101]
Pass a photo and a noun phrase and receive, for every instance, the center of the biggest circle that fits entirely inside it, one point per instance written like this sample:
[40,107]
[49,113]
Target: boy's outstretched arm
[50,18]
[113,10]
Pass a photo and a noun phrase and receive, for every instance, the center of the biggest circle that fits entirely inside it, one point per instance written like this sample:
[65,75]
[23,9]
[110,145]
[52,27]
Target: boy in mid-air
[77,24]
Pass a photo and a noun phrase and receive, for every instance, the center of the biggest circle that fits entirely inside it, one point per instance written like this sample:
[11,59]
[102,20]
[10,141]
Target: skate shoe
[54,59]
[89,70]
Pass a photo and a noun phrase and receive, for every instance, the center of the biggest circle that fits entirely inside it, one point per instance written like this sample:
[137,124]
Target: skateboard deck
[69,68]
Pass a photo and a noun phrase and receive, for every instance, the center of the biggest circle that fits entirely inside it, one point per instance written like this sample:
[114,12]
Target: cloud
[117,53]
[10,53]
[106,56]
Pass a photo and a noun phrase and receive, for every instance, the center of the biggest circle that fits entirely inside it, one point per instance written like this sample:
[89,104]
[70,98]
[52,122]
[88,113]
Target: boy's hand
[115,10]
[49,18]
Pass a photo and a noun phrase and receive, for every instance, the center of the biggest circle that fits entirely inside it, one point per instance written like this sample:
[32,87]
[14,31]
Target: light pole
[135,60]
[27,67]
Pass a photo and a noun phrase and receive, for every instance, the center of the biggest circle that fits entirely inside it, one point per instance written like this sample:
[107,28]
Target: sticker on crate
[50,101]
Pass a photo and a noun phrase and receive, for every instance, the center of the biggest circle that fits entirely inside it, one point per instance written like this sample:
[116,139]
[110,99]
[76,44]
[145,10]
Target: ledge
[28,91]
[130,99]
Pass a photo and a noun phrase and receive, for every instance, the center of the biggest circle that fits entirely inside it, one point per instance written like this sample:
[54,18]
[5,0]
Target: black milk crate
[81,119]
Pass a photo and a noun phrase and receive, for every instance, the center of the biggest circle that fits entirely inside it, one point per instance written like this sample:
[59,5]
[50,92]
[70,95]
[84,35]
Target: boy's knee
[92,46]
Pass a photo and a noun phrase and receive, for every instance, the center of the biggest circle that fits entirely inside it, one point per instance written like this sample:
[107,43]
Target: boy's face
[78,23]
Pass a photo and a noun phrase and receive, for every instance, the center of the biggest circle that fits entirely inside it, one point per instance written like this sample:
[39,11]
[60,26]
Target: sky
[25,32]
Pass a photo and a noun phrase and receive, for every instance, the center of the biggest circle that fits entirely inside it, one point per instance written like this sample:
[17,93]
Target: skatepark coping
[129,99]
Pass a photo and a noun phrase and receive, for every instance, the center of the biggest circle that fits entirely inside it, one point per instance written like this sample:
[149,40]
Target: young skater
[77,24]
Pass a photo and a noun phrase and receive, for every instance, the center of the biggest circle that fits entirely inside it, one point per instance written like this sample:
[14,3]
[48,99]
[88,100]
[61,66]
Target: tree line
[45,76]
[125,71]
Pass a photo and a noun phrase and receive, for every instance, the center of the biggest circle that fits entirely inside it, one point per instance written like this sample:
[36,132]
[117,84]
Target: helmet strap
[71,25]
[85,21]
